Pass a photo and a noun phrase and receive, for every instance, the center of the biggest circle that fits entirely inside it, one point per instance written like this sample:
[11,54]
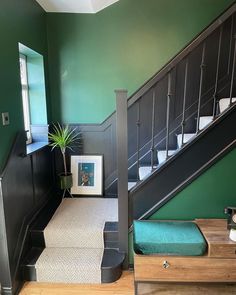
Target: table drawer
[184,269]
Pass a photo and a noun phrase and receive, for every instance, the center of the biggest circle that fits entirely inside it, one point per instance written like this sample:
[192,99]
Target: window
[25,96]
[33,94]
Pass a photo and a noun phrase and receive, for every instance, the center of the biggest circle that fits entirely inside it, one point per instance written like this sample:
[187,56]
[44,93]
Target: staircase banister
[181,55]
[180,151]
[132,193]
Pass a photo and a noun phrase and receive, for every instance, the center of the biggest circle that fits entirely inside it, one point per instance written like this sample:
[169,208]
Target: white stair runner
[75,233]
[205,121]
[187,137]
[161,155]
[79,222]
[144,171]
[70,265]
[224,103]
[131,184]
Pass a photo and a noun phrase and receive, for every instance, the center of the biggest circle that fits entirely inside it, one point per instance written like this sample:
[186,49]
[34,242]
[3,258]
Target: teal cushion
[169,238]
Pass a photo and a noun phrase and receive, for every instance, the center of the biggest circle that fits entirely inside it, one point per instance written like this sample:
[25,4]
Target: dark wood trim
[27,183]
[122,166]
[4,258]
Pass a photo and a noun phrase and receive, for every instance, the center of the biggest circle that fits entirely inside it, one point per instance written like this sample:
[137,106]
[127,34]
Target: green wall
[25,22]
[207,196]
[119,47]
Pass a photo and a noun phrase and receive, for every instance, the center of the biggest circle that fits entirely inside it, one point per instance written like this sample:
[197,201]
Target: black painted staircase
[183,119]
[180,169]
[111,267]
[183,139]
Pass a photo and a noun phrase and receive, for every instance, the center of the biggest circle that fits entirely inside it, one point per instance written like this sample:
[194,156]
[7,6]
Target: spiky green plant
[63,137]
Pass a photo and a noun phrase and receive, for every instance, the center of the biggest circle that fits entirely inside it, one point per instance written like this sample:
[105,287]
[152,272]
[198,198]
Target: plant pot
[66,181]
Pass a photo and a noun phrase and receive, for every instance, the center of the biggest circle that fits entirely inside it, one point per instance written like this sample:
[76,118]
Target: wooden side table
[218,265]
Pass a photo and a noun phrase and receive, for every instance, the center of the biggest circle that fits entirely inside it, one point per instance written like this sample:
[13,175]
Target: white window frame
[25,96]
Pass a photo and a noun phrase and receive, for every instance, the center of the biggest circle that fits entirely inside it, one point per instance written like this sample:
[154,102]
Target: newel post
[122,168]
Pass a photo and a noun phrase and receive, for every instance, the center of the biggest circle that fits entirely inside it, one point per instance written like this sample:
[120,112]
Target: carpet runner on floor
[74,241]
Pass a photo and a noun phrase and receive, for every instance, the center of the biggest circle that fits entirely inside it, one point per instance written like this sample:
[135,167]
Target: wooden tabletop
[217,236]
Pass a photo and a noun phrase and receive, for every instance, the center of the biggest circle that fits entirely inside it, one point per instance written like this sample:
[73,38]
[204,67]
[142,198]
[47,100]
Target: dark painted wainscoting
[96,139]
[26,185]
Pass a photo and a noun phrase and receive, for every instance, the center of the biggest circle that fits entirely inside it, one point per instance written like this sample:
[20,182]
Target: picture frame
[87,172]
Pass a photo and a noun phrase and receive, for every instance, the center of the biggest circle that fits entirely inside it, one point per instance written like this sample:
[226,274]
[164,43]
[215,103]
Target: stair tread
[68,257]
[164,151]
[131,184]
[144,171]
[224,103]
[161,155]
[205,121]
[111,257]
[187,137]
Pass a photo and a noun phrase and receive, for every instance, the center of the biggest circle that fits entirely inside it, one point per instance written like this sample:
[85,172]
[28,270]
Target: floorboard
[124,286]
[186,289]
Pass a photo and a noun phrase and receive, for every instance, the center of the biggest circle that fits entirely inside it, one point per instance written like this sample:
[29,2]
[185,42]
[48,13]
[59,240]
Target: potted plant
[63,137]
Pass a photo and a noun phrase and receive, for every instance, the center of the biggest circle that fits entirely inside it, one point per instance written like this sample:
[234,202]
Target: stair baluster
[138,138]
[168,114]
[232,75]
[230,43]
[153,129]
[202,67]
[184,99]
[217,73]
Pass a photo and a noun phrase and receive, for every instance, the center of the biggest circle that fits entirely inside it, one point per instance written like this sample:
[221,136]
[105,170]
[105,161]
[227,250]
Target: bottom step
[62,267]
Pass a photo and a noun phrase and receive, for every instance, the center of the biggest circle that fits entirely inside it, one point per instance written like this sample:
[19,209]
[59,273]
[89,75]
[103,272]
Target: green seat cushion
[169,238]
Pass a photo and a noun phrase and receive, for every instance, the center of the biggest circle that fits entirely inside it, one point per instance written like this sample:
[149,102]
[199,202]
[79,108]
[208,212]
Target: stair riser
[109,276]
[111,268]
[37,239]
[111,237]
[111,245]
[110,240]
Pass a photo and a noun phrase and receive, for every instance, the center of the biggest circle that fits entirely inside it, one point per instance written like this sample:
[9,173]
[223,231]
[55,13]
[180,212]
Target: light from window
[25,96]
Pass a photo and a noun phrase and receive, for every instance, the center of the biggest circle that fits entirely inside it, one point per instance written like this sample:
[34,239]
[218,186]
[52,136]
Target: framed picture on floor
[87,171]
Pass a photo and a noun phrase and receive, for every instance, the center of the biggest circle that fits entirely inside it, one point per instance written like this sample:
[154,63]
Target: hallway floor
[124,286]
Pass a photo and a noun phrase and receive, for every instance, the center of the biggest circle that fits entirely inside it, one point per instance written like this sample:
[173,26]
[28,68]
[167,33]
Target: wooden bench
[217,265]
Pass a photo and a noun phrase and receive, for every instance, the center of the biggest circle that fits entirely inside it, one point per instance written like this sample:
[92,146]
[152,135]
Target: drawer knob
[166,264]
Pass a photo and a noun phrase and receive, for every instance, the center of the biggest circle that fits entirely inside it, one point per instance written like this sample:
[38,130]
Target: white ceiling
[75,6]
